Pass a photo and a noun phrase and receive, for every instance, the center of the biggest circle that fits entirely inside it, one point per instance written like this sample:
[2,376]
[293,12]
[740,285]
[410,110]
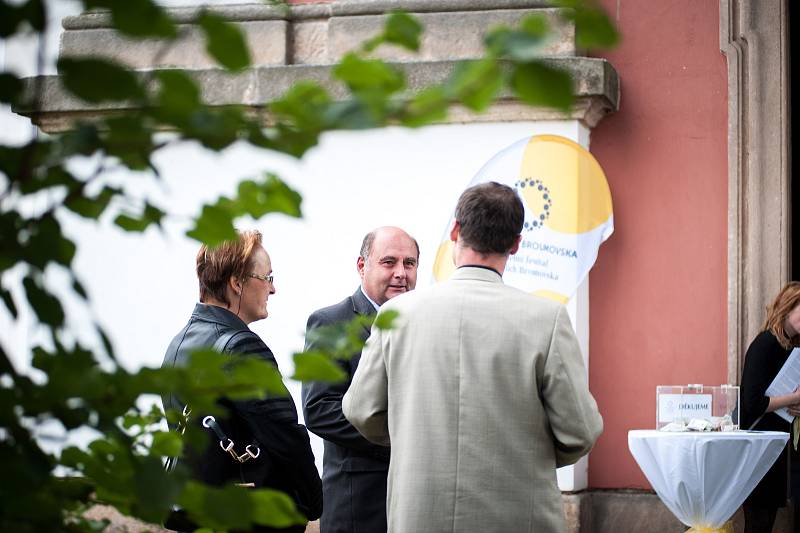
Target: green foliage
[225,43]
[21,17]
[10,88]
[215,224]
[520,45]
[386,319]
[137,18]
[542,85]
[317,366]
[149,215]
[68,388]
[593,27]
[476,83]
[400,29]
[238,507]
[80,77]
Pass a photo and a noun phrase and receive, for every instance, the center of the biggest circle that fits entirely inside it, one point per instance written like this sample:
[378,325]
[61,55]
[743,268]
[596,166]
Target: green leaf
[275,509]
[316,366]
[10,88]
[270,196]
[49,178]
[46,243]
[77,286]
[224,41]
[150,215]
[476,83]
[430,105]
[237,507]
[137,18]
[519,45]
[92,208]
[287,139]
[166,444]
[541,85]
[178,96]
[215,128]
[386,319]
[368,74]
[99,80]
[593,27]
[132,419]
[33,11]
[535,25]
[403,30]
[155,489]
[223,508]
[10,17]
[11,252]
[304,104]
[251,377]
[213,227]
[9,302]
[83,139]
[109,348]
[131,140]
[44,304]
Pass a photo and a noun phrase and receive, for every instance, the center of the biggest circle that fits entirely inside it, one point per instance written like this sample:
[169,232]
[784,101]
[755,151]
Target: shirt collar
[482,266]
[376,306]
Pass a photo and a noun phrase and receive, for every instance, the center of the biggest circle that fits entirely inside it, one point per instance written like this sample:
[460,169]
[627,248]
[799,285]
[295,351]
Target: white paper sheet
[787,380]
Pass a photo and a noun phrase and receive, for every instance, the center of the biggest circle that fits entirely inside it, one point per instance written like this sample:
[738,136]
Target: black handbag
[225,459]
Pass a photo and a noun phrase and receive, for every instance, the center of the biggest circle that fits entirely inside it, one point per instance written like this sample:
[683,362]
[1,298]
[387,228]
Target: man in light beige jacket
[480,387]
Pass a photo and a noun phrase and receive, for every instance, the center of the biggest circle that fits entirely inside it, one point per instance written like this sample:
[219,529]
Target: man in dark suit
[354,470]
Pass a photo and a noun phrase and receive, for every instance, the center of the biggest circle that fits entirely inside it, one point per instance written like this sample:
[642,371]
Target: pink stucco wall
[659,287]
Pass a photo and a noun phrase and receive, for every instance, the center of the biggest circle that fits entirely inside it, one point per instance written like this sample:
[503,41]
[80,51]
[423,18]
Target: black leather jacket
[272,421]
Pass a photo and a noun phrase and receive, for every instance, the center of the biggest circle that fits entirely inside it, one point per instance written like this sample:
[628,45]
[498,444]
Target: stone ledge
[315,33]
[440,40]
[597,91]
[249,12]
[267,41]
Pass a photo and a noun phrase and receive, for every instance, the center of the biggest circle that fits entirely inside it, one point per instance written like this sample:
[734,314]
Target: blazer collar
[219,315]
[361,305]
[477,274]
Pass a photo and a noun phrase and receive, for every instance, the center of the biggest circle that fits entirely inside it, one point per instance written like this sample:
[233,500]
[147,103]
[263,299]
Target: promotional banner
[568,214]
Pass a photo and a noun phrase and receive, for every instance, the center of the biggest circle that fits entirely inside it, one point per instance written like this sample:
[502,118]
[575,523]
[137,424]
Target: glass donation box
[697,408]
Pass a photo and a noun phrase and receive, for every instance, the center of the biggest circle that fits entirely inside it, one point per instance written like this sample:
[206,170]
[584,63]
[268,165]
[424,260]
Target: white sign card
[687,406]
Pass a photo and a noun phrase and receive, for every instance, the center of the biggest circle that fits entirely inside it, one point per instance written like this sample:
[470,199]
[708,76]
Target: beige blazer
[482,391]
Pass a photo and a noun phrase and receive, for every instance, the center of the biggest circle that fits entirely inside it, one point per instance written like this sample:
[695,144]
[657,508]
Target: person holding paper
[764,359]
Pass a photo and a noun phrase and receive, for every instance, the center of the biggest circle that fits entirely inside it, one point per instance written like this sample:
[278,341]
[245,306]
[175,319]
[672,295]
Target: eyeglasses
[263,278]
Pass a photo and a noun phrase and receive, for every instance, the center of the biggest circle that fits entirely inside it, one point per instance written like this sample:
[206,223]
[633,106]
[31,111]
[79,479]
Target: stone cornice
[251,12]
[292,43]
[597,91]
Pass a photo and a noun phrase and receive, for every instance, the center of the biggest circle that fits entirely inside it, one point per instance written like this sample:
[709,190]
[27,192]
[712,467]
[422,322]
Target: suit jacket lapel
[362,306]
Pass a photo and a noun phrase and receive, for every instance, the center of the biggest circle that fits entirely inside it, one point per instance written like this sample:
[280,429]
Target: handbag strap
[219,346]
[251,451]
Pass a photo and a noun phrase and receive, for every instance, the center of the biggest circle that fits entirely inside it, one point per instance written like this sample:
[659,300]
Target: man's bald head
[369,239]
[388,263]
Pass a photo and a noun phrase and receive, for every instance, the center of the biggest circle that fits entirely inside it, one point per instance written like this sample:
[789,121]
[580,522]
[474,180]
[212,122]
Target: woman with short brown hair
[236,281]
[764,359]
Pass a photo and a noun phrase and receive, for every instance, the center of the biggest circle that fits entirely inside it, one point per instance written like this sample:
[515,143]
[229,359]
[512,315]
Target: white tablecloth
[704,477]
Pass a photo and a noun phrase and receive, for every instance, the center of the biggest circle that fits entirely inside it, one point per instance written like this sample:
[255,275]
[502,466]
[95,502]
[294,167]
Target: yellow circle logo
[563,186]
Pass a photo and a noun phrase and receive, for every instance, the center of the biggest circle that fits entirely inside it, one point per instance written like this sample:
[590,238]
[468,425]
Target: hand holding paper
[785,384]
